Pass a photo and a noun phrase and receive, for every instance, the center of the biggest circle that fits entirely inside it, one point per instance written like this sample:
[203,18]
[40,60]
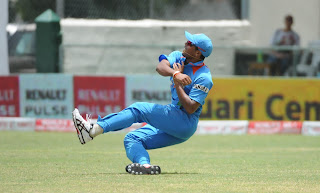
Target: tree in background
[30,9]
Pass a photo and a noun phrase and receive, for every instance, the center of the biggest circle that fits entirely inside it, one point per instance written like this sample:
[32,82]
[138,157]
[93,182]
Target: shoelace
[88,118]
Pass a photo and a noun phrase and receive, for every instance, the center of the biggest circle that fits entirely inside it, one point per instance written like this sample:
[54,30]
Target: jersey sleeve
[173,57]
[200,89]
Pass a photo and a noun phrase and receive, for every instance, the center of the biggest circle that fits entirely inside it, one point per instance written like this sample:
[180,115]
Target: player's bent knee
[142,105]
[130,139]
[135,104]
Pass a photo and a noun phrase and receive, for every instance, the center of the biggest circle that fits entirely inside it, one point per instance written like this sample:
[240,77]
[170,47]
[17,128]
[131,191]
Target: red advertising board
[9,96]
[99,95]
[60,125]
[274,127]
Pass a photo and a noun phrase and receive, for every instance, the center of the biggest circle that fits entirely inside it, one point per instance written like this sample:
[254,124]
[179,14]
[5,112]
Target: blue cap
[201,41]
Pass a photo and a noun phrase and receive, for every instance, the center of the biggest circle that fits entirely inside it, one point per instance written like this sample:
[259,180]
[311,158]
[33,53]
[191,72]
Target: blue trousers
[166,125]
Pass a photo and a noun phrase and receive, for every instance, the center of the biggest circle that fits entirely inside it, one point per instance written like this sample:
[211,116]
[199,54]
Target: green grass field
[57,162]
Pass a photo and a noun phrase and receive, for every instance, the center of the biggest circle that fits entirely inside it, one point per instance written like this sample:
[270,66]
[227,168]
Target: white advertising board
[148,88]
[311,128]
[46,95]
[17,124]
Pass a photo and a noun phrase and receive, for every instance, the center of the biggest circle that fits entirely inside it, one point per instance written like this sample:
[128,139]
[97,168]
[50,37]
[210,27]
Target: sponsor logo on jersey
[200,87]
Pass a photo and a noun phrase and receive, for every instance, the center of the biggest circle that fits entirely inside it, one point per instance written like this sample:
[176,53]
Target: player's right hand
[183,79]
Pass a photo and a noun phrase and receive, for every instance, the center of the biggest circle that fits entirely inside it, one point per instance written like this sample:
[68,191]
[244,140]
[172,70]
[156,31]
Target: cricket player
[166,124]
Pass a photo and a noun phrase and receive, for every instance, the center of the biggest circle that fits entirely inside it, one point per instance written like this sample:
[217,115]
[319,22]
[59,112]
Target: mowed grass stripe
[57,162]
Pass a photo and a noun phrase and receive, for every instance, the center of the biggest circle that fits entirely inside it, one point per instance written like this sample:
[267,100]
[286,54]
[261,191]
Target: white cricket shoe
[82,126]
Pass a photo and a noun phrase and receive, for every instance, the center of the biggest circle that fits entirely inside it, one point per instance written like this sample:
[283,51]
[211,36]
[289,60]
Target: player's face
[190,51]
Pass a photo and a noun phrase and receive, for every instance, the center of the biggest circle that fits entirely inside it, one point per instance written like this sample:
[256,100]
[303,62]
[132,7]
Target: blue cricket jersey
[200,76]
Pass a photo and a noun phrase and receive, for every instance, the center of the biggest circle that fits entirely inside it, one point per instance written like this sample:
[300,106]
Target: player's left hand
[180,77]
[178,67]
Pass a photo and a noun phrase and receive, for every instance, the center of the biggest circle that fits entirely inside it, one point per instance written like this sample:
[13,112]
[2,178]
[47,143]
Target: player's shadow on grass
[177,173]
[162,173]
[172,173]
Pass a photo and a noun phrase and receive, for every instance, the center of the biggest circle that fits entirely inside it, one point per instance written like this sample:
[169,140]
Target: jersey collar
[200,63]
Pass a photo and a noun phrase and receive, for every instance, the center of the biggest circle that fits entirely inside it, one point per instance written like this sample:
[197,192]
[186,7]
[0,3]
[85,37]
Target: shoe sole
[78,131]
[138,169]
